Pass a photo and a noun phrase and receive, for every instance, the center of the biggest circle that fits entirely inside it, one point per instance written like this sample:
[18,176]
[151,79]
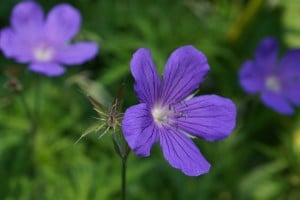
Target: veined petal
[277,102]
[14,47]
[182,153]
[77,53]
[27,18]
[266,54]
[251,78]
[210,117]
[48,69]
[139,130]
[146,78]
[289,66]
[185,70]
[63,23]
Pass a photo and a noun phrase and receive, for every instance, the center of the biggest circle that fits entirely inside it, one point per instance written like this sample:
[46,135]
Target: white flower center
[160,114]
[43,54]
[273,83]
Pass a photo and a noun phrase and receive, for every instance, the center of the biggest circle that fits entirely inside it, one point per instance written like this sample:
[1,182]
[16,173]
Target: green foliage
[260,160]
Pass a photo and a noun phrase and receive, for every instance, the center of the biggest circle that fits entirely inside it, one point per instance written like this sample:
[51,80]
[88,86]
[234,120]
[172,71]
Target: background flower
[258,161]
[278,82]
[45,42]
[165,115]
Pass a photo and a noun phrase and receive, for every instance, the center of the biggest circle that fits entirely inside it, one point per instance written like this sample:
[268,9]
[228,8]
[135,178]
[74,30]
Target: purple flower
[45,42]
[168,114]
[278,82]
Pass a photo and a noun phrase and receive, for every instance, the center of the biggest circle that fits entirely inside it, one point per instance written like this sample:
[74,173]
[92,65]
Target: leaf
[91,88]
[261,181]
[291,22]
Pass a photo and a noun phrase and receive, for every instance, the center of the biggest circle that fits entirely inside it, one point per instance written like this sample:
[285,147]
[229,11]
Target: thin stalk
[37,97]
[31,133]
[27,110]
[123,191]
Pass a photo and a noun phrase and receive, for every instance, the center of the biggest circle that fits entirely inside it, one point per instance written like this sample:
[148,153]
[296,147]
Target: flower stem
[27,110]
[123,150]
[31,134]
[123,192]
[37,97]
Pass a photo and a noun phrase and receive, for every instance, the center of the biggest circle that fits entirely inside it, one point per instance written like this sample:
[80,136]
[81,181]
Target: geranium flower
[45,42]
[168,114]
[277,82]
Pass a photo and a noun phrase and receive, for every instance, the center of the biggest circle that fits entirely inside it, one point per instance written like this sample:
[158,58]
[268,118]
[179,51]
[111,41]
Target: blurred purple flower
[45,42]
[168,114]
[278,82]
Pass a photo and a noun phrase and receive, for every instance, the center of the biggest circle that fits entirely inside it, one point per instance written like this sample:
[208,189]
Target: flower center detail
[160,114]
[273,83]
[43,54]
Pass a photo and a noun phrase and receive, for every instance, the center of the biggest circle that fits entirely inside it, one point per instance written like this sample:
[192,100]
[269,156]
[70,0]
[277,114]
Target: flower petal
[292,91]
[277,102]
[63,22]
[289,66]
[146,78]
[182,153]
[250,77]
[139,130]
[78,53]
[290,74]
[27,18]
[48,69]
[266,54]
[14,47]
[185,70]
[210,117]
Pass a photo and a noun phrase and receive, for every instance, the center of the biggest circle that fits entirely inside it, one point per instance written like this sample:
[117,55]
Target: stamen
[160,114]
[164,114]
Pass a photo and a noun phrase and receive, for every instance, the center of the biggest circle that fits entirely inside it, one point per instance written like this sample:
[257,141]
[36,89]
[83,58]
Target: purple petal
[14,47]
[277,102]
[78,53]
[139,130]
[48,69]
[182,153]
[210,117]
[63,22]
[292,91]
[250,77]
[266,54]
[289,66]
[185,70]
[290,74]
[27,19]
[146,78]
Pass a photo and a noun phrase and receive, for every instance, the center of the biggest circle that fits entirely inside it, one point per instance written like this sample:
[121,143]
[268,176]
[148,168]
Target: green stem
[123,192]
[27,110]
[31,133]
[37,96]
[122,149]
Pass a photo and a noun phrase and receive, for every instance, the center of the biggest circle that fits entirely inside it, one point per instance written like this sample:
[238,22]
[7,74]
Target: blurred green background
[260,160]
